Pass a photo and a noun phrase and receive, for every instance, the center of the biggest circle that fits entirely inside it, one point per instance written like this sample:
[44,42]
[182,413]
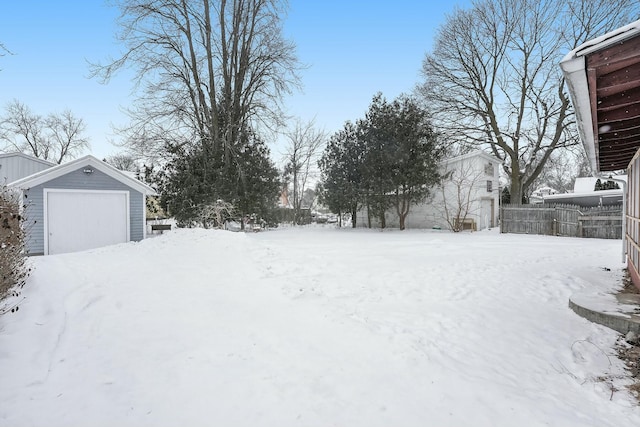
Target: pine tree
[387,160]
[202,175]
[402,155]
[505,197]
[341,167]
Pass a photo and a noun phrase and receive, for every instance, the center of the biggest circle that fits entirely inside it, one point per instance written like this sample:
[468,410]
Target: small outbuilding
[83,204]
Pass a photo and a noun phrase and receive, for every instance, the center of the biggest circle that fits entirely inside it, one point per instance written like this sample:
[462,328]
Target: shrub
[13,263]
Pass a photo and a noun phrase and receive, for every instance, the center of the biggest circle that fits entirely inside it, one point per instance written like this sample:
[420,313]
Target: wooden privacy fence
[562,220]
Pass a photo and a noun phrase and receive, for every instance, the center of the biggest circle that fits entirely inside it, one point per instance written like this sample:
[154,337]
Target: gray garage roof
[88,162]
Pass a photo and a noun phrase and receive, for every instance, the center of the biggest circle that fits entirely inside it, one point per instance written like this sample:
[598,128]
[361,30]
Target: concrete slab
[620,311]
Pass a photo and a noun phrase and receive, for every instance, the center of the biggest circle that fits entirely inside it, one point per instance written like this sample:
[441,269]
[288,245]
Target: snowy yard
[315,327]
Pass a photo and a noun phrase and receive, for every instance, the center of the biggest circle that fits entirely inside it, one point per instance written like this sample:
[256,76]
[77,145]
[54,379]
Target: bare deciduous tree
[459,191]
[66,135]
[561,171]
[304,146]
[207,70]
[55,138]
[123,162]
[215,215]
[493,76]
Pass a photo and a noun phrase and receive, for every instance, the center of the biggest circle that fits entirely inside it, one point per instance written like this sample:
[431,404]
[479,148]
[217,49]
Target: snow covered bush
[13,266]
[215,214]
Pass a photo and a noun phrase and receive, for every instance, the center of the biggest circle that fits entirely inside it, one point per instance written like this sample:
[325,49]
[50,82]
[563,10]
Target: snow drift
[316,327]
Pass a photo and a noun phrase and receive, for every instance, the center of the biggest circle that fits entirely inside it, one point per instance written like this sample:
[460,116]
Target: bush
[13,262]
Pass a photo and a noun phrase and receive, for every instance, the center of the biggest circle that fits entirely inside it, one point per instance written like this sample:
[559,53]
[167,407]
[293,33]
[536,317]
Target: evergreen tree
[505,197]
[200,176]
[388,159]
[402,155]
[341,167]
[258,184]
[379,152]
[598,185]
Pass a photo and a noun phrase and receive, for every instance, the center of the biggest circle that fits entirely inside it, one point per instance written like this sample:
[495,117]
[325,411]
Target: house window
[488,169]
[489,186]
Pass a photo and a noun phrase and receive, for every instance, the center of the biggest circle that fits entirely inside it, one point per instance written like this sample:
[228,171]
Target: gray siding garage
[83,204]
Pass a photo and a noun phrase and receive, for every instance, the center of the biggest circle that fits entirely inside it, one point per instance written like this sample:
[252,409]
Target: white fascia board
[601,193]
[574,69]
[576,79]
[604,41]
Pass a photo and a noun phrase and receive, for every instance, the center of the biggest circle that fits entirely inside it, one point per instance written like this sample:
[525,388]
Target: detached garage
[83,204]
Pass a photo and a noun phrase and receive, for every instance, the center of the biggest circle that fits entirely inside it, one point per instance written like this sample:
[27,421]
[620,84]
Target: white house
[540,193]
[468,197]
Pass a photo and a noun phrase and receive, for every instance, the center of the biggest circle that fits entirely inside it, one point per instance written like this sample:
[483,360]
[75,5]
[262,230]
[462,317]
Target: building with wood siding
[603,77]
[82,204]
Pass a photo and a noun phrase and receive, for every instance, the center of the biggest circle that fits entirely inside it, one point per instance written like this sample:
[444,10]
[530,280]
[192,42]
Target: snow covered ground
[316,327]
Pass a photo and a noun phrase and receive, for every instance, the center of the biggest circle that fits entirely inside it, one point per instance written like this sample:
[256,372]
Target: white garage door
[78,220]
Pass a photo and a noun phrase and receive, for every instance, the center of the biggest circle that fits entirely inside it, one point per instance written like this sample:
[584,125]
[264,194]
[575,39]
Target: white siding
[469,176]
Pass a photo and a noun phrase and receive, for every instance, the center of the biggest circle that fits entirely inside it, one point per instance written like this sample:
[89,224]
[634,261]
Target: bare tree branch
[305,145]
[66,135]
[459,191]
[493,77]
[4,51]
[205,70]
[56,138]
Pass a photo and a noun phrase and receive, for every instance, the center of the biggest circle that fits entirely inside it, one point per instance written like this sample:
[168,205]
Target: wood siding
[632,218]
[562,220]
[614,90]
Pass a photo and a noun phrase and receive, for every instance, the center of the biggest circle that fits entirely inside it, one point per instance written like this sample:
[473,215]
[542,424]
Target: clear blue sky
[354,49]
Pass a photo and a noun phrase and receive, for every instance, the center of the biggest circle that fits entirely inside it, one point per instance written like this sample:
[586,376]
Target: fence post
[554,227]
[579,229]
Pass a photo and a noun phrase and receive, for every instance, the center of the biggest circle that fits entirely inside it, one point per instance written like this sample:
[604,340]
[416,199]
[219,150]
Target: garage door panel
[78,221]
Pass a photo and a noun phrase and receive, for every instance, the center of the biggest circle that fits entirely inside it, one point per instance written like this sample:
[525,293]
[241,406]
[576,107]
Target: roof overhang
[591,199]
[473,154]
[86,161]
[603,77]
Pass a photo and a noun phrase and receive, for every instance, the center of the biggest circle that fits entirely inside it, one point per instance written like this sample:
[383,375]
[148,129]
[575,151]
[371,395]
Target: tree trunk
[516,189]
[354,217]
[402,208]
